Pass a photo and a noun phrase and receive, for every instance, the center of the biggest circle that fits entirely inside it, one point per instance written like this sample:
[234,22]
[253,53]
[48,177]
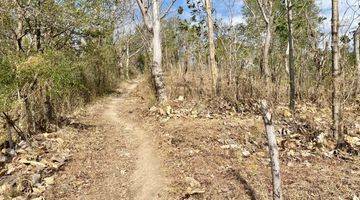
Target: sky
[230,12]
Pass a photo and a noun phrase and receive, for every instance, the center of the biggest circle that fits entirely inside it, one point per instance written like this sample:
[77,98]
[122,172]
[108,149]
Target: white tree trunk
[273,151]
[157,71]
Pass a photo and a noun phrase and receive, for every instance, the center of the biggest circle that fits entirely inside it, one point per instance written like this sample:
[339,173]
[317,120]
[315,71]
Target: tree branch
[144,12]
[168,9]
[263,12]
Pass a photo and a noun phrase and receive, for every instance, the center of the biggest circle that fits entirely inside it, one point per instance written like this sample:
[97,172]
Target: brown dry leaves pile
[29,170]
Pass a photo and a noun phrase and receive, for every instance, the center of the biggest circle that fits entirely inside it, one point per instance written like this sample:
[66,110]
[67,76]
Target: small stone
[246,153]
[287,114]
[3,159]
[192,182]
[38,190]
[168,110]
[35,178]
[49,180]
[180,98]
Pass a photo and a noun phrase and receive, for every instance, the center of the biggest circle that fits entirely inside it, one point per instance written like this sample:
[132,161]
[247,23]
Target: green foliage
[7,83]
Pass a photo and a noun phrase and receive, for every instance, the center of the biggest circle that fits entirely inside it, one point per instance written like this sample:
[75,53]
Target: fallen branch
[273,151]
[10,122]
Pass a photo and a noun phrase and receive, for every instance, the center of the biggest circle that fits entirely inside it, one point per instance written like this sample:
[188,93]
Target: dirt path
[116,159]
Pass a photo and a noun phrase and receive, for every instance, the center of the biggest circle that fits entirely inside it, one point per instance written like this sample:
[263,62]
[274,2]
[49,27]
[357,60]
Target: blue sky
[230,12]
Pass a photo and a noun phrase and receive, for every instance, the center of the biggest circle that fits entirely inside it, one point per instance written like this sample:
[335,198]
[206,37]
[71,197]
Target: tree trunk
[273,151]
[287,59]
[291,56]
[127,62]
[265,70]
[357,59]
[38,38]
[213,65]
[157,71]
[336,105]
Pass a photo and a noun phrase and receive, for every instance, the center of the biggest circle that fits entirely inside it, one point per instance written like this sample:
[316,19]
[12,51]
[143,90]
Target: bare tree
[124,16]
[291,55]
[273,151]
[357,58]
[266,7]
[336,73]
[213,64]
[153,24]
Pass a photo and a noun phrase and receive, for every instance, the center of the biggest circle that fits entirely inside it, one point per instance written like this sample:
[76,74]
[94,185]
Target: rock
[168,110]
[245,153]
[3,159]
[9,152]
[320,139]
[180,98]
[194,113]
[35,178]
[38,189]
[352,141]
[192,182]
[195,186]
[49,180]
[287,114]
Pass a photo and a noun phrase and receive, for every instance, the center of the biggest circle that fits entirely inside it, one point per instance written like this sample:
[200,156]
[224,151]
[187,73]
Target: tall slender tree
[291,55]
[266,8]
[213,64]
[357,58]
[153,24]
[336,102]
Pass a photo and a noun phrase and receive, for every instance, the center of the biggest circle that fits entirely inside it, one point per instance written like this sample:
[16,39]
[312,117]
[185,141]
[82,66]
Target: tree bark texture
[273,151]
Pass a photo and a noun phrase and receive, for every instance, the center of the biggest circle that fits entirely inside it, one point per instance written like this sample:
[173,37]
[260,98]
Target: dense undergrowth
[37,91]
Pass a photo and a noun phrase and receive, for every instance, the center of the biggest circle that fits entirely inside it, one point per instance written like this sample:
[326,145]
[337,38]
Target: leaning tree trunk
[291,56]
[157,71]
[273,151]
[357,59]
[213,65]
[336,105]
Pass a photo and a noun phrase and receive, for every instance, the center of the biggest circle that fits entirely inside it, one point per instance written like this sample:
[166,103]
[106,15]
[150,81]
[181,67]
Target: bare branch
[263,12]
[144,12]
[168,9]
